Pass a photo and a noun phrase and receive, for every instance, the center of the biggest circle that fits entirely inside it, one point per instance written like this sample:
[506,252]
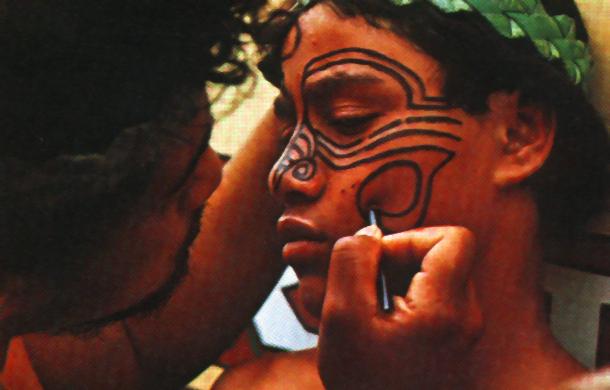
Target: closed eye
[352,124]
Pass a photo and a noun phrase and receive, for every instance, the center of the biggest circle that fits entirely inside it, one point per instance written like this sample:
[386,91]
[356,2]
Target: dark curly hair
[74,73]
[478,61]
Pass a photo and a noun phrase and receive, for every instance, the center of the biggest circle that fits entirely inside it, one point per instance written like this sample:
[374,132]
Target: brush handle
[385,299]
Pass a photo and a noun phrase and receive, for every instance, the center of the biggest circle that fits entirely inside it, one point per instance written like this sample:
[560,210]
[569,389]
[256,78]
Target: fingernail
[371,231]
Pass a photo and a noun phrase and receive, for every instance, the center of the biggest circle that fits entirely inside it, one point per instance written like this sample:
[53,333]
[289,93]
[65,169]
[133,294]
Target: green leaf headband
[554,36]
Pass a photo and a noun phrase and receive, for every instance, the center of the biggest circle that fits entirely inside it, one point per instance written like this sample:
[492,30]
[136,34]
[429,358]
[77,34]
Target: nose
[297,177]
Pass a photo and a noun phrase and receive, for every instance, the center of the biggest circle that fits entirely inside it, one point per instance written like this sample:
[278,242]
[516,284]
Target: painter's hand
[423,343]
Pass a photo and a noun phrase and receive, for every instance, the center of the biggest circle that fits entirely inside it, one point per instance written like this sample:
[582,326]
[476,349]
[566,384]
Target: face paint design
[383,149]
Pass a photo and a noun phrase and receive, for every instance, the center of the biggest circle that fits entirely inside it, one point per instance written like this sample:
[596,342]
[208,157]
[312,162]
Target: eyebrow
[328,83]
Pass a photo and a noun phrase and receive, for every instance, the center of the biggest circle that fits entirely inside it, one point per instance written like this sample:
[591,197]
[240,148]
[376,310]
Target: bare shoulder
[285,371]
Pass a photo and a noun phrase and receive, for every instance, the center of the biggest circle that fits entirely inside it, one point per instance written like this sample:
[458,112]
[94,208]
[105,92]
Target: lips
[306,248]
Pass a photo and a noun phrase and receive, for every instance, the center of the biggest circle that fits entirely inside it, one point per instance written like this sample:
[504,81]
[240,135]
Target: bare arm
[234,264]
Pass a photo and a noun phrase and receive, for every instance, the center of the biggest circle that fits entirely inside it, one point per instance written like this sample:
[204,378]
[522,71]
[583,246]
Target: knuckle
[353,246]
[345,244]
[463,239]
[336,314]
[461,233]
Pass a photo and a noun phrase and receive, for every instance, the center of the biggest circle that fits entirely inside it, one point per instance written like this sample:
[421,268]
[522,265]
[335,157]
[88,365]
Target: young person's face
[138,260]
[372,130]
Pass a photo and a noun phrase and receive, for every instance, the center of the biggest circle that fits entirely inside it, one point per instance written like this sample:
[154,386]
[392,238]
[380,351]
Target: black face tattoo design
[416,164]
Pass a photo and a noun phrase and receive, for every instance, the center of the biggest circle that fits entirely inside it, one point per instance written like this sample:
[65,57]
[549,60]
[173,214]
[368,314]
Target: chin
[309,301]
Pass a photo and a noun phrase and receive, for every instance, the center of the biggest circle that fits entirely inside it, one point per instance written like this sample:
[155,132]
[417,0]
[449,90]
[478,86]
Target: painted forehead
[321,38]
[374,64]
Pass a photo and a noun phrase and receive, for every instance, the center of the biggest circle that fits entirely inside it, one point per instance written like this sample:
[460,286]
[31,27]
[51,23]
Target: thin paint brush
[385,299]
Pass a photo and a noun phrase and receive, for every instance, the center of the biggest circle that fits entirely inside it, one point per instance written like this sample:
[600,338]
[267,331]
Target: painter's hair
[84,86]
[478,61]
[74,73]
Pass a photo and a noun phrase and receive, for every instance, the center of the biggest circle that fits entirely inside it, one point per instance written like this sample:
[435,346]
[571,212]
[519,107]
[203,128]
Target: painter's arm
[234,264]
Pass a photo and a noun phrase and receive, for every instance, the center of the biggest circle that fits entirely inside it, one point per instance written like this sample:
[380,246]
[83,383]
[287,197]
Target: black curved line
[382,169]
[375,54]
[382,155]
[287,163]
[428,192]
[433,119]
[389,138]
[300,151]
[318,134]
[309,161]
[305,138]
[384,69]
[430,132]
[387,127]
[278,175]
[427,196]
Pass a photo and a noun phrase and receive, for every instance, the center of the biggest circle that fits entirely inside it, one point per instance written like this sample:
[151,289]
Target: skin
[463,268]
[167,348]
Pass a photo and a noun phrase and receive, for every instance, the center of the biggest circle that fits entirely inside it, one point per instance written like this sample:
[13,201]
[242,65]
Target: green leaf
[501,23]
[537,26]
[452,5]
[574,72]
[532,6]
[566,25]
[485,6]
[512,5]
[401,2]
[516,31]
[570,49]
[543,48]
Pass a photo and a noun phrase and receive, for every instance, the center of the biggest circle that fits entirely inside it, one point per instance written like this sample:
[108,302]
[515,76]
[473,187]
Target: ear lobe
[526,134]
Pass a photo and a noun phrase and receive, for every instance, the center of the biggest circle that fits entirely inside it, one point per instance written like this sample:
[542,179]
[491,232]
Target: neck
[516,349]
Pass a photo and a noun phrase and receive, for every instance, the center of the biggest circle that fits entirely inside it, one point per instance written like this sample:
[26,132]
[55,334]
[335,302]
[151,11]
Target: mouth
[306,247]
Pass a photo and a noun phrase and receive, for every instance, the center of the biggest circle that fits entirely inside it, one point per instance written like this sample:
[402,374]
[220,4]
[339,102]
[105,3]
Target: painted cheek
[401,189]
[392,189]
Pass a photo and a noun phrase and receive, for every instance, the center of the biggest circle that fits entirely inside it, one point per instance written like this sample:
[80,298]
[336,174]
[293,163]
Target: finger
[351,288]
[410,247]
[445,255]
[449,262]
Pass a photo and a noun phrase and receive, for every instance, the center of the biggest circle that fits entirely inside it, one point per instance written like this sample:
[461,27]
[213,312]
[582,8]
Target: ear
[525,135]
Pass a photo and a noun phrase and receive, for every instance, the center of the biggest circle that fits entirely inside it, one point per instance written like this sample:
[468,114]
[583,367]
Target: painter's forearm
[234,264]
